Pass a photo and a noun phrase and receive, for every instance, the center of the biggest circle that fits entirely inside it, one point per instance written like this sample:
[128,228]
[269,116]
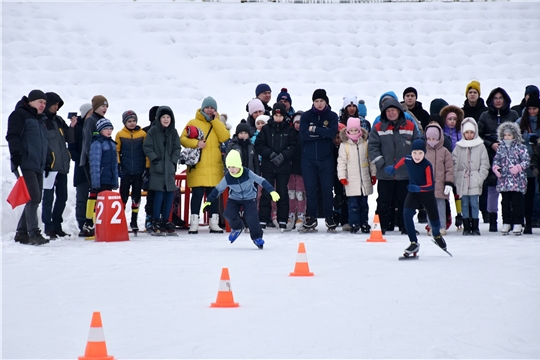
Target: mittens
[373,180]
[275,196]
[515,169]
[413,188]
[344,181]
[496,171]
[447,189]
[390,170]
[205,205]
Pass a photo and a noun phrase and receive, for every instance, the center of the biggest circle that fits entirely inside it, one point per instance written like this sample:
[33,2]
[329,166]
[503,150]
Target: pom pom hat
[284,95]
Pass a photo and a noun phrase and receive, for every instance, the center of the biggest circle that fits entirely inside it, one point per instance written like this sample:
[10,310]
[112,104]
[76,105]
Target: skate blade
[410,257]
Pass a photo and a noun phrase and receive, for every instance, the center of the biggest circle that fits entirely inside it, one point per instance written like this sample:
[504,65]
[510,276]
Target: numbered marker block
[111,224]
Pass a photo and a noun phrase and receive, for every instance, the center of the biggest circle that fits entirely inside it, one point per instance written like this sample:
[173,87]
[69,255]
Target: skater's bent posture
[421,192]
[242,194]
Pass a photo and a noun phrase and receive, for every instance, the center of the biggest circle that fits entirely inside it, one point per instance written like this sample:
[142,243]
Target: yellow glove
[275,196]
[205,205]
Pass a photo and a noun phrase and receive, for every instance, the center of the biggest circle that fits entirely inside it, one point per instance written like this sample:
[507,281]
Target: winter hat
[362,110]
[152,113]
[531,88]
[36,95]
[263,118]
[262,88]
[129,114]
[472,85]
[297,118]
[54,98]
[104,123]
[418,144]
[436,106]
[349,100]
[255,105]
[284,95]
[279,108]
[436,118]
[433,132]
[354,123]
[99,100]
[234,159]
[468,126]
[410,89]
[85,109]
[242,127]
[223,118]
[533,101]
[209,102]
[320,94]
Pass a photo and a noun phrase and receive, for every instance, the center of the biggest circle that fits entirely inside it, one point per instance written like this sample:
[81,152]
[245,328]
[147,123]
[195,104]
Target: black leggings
[412,202]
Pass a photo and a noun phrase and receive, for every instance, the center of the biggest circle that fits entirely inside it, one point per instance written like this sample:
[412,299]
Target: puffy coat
[489,122]
[58,134]
[209,170]
[474,111]
[103,162]
[162,147]
[318,145]
[279,138]
[471,163]
[443,165]
[353,164]
[27,135]
[129,147]
[511,155]
[390,141]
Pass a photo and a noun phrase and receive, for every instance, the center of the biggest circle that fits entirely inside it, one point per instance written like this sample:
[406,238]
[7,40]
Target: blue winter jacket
[318,145]
[103,162]
[242,187]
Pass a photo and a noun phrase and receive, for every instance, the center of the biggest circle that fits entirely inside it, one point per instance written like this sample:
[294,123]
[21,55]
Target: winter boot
[475,231]
[485,217]
[169,228]
[148,223]
[413,248]
[493,222]
[36,238]
[440,241]
[61,233]
[234,235]
[21,237]
[51,235]
[505,229]
[366,228]
[459,221]
[466,227]
[346,227]
[354,229]
[133,223]
[528,225]
[517,229]
[330,224]
[193,224]
[88,228]
[214,225]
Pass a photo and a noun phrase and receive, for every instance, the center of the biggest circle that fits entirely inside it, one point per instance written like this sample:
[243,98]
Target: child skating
[242,194]
[421,192]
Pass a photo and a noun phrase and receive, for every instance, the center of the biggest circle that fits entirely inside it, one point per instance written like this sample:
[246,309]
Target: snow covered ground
[154,293]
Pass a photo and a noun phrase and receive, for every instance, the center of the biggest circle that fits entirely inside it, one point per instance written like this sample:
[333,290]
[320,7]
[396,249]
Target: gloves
[278,160]
[533,139]
[47,170]
[447,189]
[273,155]
[413,188]
[155,161]
[496,169]
[390,170]
[16,159]
[205,205]
[373,180]
[275,196]
[344,181]
[146,179]
[515,169]
[93,194]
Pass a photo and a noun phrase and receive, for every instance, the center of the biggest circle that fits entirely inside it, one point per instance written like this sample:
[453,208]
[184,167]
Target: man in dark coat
[409,99]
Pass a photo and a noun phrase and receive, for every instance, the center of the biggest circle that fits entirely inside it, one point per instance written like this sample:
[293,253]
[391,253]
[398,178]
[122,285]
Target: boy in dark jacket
[132,163]
[276,144]
[241,142]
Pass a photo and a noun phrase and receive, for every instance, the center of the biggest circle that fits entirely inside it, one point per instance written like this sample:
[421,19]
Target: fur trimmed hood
[452,108]
[514,128]
[344,138]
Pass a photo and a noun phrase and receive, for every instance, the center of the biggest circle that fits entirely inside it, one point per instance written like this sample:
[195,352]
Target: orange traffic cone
[376,233]
[224,296]
[96,349]
[301,268]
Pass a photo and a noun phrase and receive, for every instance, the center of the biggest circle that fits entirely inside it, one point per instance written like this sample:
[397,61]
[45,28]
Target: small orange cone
[96,349]
[224,296]
[301,268]
[376,233]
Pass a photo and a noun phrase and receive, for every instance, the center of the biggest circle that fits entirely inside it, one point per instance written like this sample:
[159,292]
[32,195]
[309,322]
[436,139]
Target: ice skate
[366,228]
[517,229]
[330,224]
[234,235]
[214,225]
[410,252]
[506,229]
[439,240]
[259,243]
[310,225]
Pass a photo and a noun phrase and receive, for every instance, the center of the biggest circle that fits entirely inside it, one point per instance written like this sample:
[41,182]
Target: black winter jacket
[279,138]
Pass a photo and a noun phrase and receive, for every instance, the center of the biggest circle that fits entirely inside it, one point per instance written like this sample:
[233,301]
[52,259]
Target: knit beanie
[354,123]
[104,123]
[99,100]
[85,109]
[320,94]
[533,101]
[262,88]
[129,114]
[349,100]
[255,105]
[468,126]
[418,144]
[234,159]
[362,110]
[279,108]
[410,89]
[264,118]
[242,127]
[530,88]
[36,95]
[284,95]
[209,102]
[473,85]
[436,106]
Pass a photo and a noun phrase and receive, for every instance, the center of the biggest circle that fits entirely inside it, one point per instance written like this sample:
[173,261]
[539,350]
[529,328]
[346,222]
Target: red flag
[19,194]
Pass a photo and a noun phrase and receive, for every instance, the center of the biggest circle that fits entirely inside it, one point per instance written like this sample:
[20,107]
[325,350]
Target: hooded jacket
[471,163]
[474,111]
[453,133]
[250,158]
[27,136]
[58,134]
[103,162]
[390,141]
[511,155]
[162,147]
[353,164]
[75,150]
[442,163]
[408,115]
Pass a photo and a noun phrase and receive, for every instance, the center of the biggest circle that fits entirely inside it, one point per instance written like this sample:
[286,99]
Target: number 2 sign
[111,222]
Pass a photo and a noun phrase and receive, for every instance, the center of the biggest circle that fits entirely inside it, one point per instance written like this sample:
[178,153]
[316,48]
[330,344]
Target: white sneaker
[506,229]
[517,229]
